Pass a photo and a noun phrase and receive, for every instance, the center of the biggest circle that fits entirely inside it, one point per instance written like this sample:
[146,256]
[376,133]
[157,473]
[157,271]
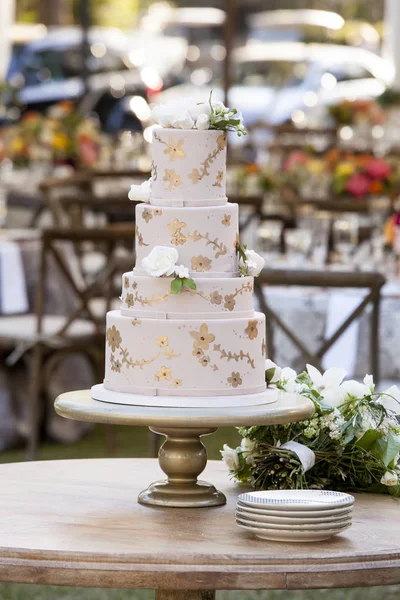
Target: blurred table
[309,312]
[77,523]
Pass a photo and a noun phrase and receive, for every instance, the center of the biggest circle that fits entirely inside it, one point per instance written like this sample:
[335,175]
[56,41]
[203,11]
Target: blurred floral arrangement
[351,443]
[252,179]
[353,112]
[364,175]
[61,136]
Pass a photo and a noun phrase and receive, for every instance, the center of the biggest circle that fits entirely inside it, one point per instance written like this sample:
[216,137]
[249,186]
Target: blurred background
[317,178]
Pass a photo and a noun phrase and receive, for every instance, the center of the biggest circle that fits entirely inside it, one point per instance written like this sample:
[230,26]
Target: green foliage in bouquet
[353,438]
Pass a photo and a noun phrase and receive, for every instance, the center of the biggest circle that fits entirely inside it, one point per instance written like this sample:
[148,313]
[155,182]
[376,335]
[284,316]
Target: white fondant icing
[205,238]
[147,297]
[210,357]
[188,166]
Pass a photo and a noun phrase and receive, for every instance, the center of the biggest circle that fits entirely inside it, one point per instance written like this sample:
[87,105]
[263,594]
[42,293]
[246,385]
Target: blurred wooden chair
[373,282]
[50,338]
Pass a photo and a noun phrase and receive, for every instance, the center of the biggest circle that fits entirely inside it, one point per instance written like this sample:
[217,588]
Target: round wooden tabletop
[78,523]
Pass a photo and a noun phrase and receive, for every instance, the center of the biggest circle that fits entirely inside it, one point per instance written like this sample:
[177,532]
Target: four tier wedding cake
[187,333]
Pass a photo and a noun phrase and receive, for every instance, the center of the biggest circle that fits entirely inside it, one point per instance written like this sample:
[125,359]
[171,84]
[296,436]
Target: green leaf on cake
[189,283]
[176,285]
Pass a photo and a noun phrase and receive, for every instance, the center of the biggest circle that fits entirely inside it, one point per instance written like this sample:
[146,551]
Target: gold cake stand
[182,456]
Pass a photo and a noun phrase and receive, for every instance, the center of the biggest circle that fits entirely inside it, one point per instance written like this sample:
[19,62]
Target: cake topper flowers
[250,263]
[162,262]
[189,113]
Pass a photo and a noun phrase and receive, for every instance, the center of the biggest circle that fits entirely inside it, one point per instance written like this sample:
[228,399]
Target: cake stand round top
[80,406]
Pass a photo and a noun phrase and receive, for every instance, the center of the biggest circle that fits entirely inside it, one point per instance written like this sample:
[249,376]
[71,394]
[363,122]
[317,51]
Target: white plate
[295,526]
[302,519]
[296,513]
[297,499]
[279,535]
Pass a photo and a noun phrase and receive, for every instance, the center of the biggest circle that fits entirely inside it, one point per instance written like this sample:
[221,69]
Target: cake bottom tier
[185,357]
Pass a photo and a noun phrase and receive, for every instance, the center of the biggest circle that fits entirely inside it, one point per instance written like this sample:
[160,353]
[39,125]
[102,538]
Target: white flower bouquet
[352,442]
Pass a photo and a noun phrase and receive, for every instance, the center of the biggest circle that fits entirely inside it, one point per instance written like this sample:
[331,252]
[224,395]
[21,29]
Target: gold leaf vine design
[234,356]
[129,362]
[154,173]
[216,244]
[140,237]
[197,175]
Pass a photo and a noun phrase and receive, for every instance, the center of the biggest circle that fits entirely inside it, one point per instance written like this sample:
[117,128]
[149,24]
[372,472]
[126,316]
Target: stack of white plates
[295,515]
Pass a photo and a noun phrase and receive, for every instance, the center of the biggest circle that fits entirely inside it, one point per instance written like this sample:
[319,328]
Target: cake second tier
[186,357]
[206,238]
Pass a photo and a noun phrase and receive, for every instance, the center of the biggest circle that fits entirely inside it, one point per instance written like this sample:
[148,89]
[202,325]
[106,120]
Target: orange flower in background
[60,141]
[32,116]
[376,187]
[252,168]
[332,157]
[67,105]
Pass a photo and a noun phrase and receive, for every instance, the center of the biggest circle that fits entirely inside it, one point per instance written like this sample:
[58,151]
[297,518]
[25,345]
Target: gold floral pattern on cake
[215,298]
[236,243]
[177,383]
[198,352]
[235,380]
[147,214]
[136,322]
[114,338]
[197,174]
[230,302]
[126,282]
[218,179]
[202,338]
[162,341]
[139,237]
[263,347]
[157,212]
[204,361]
[170,354]
[236,356]
[226,220]
[129,301]
[173,149]
[164,374]
[179,238]
[251,330]
[134,285]
[173,180]
[115,364]
[201,264]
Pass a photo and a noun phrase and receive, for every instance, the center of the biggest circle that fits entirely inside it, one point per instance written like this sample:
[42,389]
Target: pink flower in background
[295,158]
[378,168]
[358,185]
[397,219]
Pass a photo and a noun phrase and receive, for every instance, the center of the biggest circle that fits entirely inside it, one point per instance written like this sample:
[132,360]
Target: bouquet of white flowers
[352,442]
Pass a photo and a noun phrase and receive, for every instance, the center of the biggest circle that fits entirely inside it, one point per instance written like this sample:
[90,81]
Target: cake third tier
[206,238]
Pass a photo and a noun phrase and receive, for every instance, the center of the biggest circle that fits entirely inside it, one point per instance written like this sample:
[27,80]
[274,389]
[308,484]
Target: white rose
[163,115]
[181,271]
[269,364]
[182,121]
[161,261]
[390,478]
[230,456]
[203,122]
[288,378]
[141,192]
[197,108]
[254,263]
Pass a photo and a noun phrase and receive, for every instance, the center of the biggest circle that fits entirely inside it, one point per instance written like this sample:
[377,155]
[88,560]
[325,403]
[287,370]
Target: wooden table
[77,523]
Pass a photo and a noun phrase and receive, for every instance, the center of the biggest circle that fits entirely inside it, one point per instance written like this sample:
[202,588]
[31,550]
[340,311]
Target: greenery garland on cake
[352,442]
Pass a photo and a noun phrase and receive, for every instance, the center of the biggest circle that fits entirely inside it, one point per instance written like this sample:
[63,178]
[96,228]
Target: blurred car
[273,80]
[50,69]
[308,25]
[200,28]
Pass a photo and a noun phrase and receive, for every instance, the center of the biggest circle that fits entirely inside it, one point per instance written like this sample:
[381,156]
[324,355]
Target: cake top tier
[188,167]
[189,154]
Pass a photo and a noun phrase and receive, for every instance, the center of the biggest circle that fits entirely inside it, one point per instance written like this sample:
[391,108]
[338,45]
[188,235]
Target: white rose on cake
[183,121]
[183,114]
[203,122]
[141,192]
[254,263]
[161,261]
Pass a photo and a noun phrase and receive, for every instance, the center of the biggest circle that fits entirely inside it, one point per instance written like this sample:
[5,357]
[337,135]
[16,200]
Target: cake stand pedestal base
[182,457]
